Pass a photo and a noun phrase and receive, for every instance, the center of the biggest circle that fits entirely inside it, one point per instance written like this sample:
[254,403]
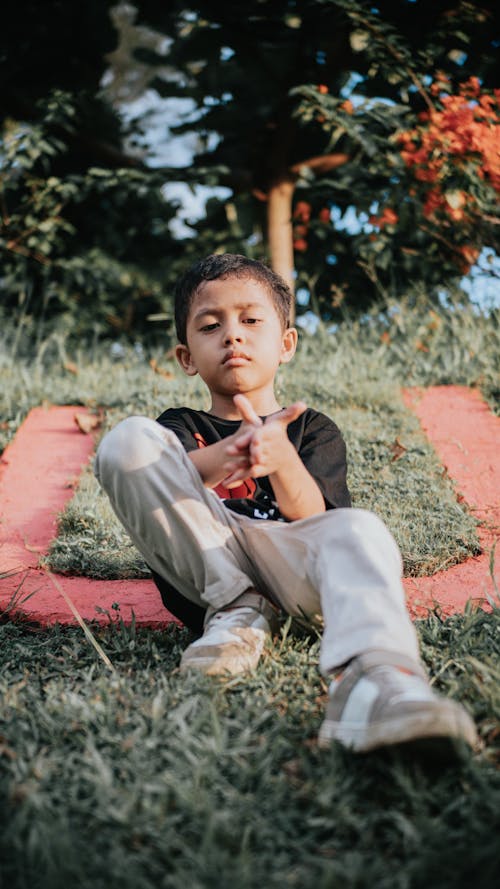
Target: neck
[224,407]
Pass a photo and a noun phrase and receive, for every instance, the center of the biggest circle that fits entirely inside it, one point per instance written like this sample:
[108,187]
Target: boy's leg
[346,564]
[185,534]
[189,613]
[181,528]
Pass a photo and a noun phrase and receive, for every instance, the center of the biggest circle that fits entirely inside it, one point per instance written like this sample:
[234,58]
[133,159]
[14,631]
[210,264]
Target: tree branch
[321,163]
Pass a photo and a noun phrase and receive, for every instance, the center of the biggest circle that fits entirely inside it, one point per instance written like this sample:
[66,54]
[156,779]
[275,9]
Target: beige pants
[342,564]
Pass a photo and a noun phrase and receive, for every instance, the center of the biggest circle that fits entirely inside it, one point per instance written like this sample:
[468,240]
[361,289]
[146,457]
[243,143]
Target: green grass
[354,375]
[144,778]
[149,778]
[410,493]
[405,343]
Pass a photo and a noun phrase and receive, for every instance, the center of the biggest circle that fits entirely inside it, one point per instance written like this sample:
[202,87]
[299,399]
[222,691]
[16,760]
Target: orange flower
[324,215]
[387,217]
[347,106]
[433,202]
[300,244]
[470,254]
[441,83]
[302,211]
[471,87]
[322,88]
[456,214]
[459,135]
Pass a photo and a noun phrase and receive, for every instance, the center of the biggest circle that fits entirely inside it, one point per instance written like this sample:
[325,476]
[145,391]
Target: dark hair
[228,265]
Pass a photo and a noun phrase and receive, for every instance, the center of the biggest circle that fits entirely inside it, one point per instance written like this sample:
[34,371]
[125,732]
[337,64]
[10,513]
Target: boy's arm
[272,453]
[297,493]
[210,461]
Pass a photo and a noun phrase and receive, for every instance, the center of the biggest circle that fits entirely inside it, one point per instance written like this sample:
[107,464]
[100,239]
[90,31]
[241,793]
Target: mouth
[235,359]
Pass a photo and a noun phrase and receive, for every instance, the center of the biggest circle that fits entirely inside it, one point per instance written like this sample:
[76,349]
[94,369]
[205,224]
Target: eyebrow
[209,310]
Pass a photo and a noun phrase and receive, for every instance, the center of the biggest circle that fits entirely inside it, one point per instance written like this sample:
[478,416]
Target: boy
[243,510]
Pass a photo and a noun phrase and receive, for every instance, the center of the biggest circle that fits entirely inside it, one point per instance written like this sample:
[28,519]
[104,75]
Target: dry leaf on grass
[87,422]
[397,450]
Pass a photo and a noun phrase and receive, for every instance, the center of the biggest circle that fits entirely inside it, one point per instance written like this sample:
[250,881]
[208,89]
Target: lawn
[143,777]
[138,776]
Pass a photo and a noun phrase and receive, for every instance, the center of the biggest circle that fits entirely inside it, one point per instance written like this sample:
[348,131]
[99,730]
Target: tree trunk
[280,230]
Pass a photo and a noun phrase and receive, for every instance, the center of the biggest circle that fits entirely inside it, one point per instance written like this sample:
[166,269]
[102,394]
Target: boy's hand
[238,460]
[260,448]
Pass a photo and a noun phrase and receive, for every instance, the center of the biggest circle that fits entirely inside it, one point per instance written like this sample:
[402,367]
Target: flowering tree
[453,156]
[299,107]
[359,153]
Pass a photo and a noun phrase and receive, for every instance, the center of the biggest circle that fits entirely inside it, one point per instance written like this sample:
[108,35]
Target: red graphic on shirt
[247,488]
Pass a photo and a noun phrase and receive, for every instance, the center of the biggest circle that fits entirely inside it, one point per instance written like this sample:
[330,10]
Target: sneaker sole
[209,668]
[226,658]
[450,726]
[223,664]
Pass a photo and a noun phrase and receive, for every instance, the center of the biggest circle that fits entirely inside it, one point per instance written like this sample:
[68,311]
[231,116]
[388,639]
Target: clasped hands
[258,448]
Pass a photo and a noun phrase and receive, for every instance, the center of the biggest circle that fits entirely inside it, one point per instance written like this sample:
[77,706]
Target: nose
[232,335]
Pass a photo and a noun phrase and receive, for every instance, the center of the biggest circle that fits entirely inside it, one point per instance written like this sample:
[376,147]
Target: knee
[360,527]
[133,444]
[375,535]
[364,522]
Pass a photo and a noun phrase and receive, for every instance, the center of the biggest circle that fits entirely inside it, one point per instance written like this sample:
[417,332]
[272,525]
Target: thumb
[289,414]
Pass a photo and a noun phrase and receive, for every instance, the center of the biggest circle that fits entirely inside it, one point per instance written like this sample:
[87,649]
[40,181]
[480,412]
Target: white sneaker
[232,642]
[382,704]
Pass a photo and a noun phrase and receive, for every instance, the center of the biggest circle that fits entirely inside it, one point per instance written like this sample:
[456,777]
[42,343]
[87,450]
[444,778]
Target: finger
[233,450]
[293,411]
[289,414]
[246,410]
[235,478]
[257,471]
[236,463]
[256,453]
[243,440]
[232,483]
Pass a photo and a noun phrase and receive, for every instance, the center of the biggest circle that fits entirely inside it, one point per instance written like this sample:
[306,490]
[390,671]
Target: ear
[288,345]
[183,356]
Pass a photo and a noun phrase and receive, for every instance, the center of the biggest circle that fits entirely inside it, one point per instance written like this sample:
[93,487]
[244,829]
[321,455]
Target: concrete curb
[39,469]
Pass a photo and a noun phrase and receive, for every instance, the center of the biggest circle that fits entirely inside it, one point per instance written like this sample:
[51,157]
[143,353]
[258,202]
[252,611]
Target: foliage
[84,230]
[437,186]
[453,152]
[312,94]
[144,777]
[317,93]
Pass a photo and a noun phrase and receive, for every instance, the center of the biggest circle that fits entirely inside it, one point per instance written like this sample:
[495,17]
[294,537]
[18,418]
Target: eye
[252,320]
[209,327]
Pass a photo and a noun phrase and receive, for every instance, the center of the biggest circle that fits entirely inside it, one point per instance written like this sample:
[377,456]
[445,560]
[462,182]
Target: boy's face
[236,343]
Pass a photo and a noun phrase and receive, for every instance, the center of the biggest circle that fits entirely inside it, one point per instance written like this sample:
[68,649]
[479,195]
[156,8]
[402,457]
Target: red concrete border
[39,468]
[466,437]
[38,471]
